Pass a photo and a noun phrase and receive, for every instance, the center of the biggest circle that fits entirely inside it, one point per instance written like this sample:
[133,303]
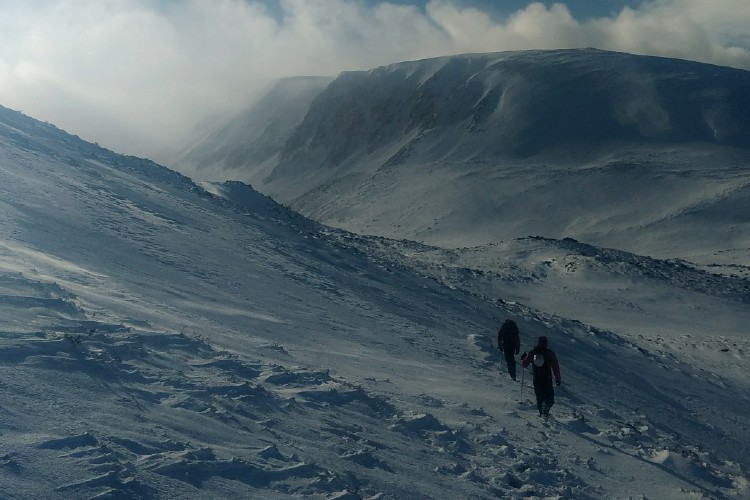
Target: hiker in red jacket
[545,365]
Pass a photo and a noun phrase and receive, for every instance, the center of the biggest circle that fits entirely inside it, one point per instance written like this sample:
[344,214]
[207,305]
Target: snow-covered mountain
[164,339]
[256,135]
[484,148]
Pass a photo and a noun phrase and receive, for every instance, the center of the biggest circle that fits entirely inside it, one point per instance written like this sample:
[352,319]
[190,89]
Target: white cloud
[536,26]
[138,75]
[717,31]
[688,29]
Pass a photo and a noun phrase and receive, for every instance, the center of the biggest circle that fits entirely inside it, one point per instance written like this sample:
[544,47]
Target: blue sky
[499,9]
[139,75]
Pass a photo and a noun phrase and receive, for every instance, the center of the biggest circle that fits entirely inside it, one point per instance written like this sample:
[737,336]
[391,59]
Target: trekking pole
[523,376]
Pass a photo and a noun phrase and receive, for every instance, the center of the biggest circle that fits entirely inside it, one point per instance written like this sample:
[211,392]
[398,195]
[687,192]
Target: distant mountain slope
[253,138]
[480,106]
[634,152]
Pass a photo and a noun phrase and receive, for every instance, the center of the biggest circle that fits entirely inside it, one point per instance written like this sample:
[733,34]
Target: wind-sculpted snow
[159,339]
[181,418]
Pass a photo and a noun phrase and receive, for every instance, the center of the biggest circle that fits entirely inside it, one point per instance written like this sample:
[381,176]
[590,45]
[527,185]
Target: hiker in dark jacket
[509,342]
[545,365]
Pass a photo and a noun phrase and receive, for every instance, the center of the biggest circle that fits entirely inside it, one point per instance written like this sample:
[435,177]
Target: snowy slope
[255,136]
[484,148]
[162,339]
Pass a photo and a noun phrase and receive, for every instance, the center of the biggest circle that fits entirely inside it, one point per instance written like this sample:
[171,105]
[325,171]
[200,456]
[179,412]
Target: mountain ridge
[418,149]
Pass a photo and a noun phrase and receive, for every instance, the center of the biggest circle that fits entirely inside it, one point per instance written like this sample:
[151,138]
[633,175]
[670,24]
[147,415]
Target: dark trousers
[545,394]
[510,360]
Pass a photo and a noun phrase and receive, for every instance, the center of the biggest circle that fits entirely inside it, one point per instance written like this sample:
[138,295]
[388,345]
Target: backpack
[541,363]
[539,360]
